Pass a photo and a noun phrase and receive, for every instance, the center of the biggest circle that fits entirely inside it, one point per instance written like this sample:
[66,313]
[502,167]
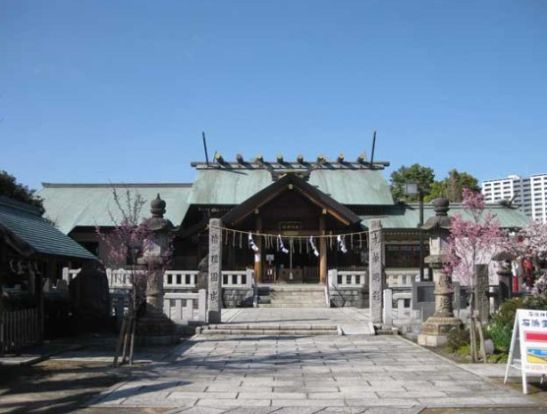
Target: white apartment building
[529,194]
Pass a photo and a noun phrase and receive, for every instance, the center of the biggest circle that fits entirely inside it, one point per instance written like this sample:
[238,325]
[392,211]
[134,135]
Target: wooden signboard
[529,343]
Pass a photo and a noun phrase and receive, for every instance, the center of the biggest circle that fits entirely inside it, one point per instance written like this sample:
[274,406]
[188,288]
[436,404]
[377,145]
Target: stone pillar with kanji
[435,330]
[214,289]
[376,271]
[155,328]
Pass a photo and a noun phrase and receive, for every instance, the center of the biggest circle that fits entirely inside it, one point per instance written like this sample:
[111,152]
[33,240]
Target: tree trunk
[120,341]
[481,339]
[472,332]
[132,342]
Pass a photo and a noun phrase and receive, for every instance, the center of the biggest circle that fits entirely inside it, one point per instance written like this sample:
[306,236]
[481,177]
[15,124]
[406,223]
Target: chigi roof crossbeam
[300,164]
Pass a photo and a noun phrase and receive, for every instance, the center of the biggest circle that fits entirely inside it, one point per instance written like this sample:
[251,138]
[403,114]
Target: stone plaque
[214,293]
[376,270]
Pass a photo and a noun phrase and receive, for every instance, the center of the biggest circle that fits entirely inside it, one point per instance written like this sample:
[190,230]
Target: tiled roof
[24,224]
[72,205]
[406,216]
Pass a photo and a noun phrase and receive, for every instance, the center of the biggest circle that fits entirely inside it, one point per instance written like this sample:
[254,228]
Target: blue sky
[119,91]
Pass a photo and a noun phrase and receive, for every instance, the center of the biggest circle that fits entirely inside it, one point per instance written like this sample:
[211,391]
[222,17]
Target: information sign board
[529,343]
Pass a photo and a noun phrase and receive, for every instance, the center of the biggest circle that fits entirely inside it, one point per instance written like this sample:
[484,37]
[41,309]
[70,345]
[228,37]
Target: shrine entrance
[281,219]
[297,266]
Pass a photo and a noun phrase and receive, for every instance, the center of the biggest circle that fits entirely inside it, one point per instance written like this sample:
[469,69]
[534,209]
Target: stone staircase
[268,329]
[291,296]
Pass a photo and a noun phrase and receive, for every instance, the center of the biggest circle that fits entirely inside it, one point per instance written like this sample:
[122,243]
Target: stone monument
[505,274]
[214,288]
[155,328]
[376,271]
[436,328]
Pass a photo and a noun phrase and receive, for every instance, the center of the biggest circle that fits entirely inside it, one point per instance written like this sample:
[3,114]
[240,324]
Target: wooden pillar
[258,255]
[322,250]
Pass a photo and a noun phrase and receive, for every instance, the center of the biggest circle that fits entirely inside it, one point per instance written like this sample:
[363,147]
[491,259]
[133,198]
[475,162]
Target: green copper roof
[233,186]
[71,205]
[27,227]
[406,216]
[225,186]
[353,186]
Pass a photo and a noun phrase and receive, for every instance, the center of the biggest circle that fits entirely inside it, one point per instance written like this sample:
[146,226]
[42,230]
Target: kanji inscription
[215,289]
[376,270]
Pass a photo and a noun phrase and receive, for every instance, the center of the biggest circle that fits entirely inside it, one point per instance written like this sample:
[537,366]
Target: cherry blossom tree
[473,240]
[122,245]
[531,242]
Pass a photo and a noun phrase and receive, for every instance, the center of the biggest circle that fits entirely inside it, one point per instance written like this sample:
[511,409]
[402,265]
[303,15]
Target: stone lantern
[435,329]
[505,274]
[154,328]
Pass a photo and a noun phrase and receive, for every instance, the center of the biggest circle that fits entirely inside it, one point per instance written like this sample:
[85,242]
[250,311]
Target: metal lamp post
[413,189]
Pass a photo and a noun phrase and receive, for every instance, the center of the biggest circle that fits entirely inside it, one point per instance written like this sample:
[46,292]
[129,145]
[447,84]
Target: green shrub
[500,333]
[500,327]
[457,338]
[464,351]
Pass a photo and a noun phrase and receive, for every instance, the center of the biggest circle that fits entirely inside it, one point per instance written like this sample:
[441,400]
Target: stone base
[156,340]
[349,297]
[156,329]
[435,330]
[237,297]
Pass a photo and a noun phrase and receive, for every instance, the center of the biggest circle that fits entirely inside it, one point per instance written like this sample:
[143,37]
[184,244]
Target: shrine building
[279,218]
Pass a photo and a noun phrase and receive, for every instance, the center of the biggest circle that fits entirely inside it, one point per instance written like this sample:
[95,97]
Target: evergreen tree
[9,187]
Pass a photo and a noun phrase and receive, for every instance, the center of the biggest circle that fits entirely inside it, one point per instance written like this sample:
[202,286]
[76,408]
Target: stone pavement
[327,374]
[350,321]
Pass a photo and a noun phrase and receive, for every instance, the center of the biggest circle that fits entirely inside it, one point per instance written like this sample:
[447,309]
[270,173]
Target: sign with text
[290,226]
[529,342]
[214,286]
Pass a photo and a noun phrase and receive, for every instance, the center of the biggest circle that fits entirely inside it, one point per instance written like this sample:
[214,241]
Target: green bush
[500,334]
[457,338]
[500,327]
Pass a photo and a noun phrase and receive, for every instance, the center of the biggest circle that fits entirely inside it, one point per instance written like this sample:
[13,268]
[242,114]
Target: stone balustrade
[184,307]
[347,278]
[172,279]
[402,278]
[180,279]
[348,288]
[238,279]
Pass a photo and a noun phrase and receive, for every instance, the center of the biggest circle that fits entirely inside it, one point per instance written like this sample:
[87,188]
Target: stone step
[243,332]
[273,326]
[297,302]
[297,295]
[292,305]
[268,329]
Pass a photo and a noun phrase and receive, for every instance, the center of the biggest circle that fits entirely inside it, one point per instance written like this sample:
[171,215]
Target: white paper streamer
[252,243]
[314,248]
[341,244]
[281,245]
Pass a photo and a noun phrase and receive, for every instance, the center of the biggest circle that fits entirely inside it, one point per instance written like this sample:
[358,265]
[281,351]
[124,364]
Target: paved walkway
[327,374]
[351,321]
